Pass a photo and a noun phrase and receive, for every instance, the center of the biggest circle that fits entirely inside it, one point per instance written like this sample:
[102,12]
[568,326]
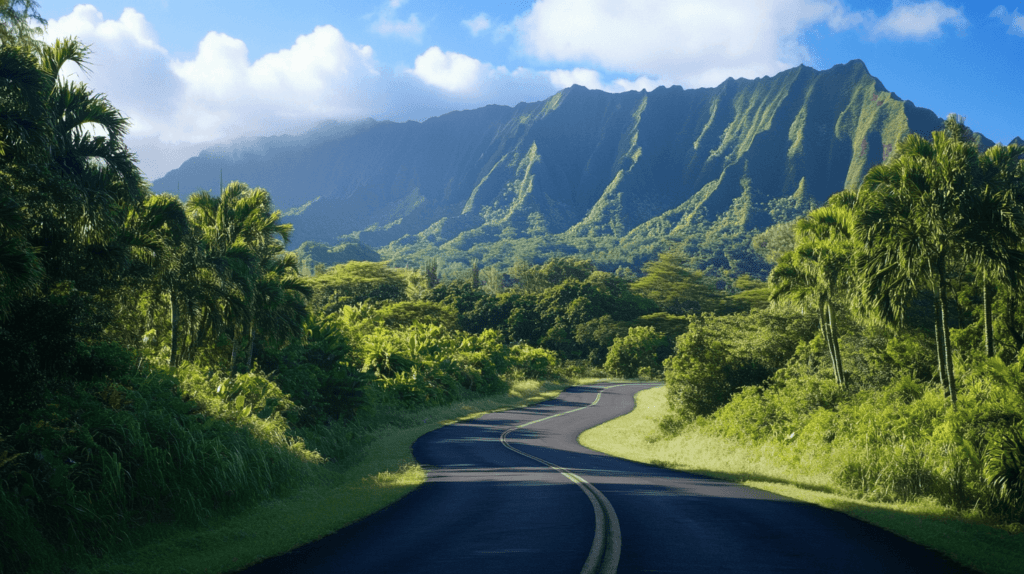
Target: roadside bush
[697,375]
[532,362]
[641,348]
[119,451]
[1004,469]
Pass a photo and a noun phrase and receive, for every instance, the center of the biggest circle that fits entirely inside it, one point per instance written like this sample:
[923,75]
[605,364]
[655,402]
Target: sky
[192,73]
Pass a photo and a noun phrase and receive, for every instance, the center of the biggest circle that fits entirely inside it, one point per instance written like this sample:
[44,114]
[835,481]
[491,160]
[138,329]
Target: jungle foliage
[891,353]
[168,360]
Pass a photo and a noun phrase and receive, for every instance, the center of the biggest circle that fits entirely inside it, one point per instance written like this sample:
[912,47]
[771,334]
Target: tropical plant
[819,270]
[998,217]
[914,223]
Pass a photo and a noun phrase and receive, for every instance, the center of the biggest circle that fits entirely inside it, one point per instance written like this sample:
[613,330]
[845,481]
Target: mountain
[614,177]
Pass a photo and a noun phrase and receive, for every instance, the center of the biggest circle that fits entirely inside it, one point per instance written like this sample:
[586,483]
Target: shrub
[1004,468]
[641,348]
[697,375]
[532,362]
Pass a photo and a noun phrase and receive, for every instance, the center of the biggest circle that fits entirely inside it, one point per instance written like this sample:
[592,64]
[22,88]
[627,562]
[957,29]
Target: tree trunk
[947,346]
[174,330]
[252,340]
[840,374]
[827,336]
[234,352]
[939,350]
[989,294]
[1011,321]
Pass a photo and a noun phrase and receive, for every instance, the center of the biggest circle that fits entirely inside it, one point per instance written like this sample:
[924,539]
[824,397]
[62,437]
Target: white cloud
[702,42]
[1015,21]
[450,70]
[220,93]
[918,21]
[178,107]
[387,24]
[699,42]
[592,79]
[477,24]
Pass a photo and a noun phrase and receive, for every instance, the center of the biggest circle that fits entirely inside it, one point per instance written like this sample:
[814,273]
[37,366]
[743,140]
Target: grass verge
[637,436]
[337,497]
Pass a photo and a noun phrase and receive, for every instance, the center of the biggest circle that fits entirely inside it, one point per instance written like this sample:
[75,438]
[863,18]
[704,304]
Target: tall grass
[382,471]
[897,484]
[89,469]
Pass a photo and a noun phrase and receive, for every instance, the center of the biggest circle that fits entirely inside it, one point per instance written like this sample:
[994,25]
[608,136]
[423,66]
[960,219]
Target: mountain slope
[610,176]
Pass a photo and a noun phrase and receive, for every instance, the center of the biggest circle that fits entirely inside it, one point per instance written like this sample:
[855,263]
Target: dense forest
[164,360]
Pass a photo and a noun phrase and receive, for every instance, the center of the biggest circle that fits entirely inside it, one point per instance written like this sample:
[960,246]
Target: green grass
[336,497]
[964,538]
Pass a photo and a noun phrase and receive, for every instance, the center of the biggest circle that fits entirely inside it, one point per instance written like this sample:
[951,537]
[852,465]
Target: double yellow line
[607,545]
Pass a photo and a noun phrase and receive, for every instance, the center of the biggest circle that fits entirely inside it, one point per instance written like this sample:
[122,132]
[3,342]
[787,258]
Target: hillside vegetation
[164,361]
[613,178]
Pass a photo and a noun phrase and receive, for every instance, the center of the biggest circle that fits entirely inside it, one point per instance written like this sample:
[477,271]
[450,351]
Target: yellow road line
[607,545]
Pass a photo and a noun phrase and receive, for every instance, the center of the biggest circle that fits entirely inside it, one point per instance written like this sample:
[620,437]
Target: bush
[697,375]
[114,453]
[1004,468]
[641,348]
[532,362]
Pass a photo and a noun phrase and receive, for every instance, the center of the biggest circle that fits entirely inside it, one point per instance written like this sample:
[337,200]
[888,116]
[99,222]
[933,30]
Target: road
[515,492]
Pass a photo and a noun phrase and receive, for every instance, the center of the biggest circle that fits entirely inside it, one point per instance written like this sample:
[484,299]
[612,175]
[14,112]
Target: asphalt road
[515,492]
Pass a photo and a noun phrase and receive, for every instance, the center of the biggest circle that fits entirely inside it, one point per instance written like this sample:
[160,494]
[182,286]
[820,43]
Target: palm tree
[998,213]
[243,237]
[914,222]
[87,181]
[818,270]
[280,297]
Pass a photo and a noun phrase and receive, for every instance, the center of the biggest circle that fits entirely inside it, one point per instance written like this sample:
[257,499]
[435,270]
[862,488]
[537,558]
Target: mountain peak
[584,167]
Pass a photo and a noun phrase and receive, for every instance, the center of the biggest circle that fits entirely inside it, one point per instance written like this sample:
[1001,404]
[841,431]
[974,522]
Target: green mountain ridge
[613,177]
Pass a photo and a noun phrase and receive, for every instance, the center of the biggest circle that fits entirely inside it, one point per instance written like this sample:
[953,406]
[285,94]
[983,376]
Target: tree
[696,375]
[915,221]
[642,348]
[673,287]
[998,217]
[430,272]
[23,133]
[91,179]
[475,275]
[818,270]
[16,29]
[353,283]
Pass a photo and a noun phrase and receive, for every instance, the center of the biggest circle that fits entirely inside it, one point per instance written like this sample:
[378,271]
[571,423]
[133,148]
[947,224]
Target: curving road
[515,492]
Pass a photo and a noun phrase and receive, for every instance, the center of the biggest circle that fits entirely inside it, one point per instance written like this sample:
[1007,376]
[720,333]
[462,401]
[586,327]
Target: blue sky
[193,73]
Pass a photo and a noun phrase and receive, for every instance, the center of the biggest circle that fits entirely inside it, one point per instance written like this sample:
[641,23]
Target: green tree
[818,272]
[356,282]
[643,348]
[16,29]
[998,217]
[914,223]
[696,376]
[676,289]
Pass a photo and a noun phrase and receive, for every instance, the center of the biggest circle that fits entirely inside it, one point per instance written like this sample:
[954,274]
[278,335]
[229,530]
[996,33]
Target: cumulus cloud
[219,93]
[700,42]
[918,21]
[592,79]
[179,106]
[477,24]
[450,70]
[1015,20]
[703,42]
[388,24]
